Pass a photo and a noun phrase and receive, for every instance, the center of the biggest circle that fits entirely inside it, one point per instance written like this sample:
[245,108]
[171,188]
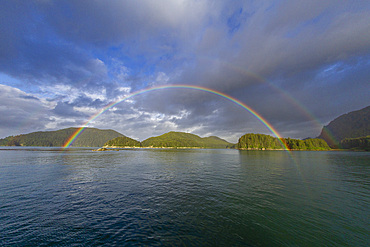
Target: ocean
[189,197]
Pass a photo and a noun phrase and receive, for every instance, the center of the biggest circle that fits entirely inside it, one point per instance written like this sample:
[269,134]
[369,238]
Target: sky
[298,64]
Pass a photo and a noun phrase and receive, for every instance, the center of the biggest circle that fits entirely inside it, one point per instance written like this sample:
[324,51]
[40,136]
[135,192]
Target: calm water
[183,198]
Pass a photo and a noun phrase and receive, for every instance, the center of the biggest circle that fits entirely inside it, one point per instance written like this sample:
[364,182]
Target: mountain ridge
[353,124]
[90,137]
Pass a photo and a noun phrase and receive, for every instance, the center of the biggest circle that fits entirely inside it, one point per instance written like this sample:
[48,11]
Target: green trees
[361,143]
[185,140]
[122,141]
[90,137]
[10,141]
[308,144]
[261,142]
[171,140]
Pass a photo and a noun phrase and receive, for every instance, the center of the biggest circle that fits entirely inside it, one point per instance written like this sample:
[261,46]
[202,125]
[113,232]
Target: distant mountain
[185,140]
[217,142]
[90,137]
[266,142]
[351,125]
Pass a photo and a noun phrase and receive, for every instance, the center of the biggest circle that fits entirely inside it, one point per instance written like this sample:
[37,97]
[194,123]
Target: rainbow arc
[178,86]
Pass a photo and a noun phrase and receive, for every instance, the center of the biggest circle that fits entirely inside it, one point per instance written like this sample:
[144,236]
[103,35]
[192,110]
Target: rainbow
[204,89]
[288,97]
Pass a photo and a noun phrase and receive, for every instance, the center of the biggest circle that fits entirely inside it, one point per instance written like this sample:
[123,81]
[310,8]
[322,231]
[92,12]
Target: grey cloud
[66,110]
[84,100]
[29,97]
[20,112]
[41,63]
[288,14]
[271,53]
[102,23]
[289,55]
[30,50]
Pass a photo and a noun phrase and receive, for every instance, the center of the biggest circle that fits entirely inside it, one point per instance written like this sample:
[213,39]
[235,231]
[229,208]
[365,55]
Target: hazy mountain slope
[351,125]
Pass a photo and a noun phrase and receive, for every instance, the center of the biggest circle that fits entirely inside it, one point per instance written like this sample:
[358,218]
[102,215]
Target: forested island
[171,139]
[90,137]
[265,142]
[185,140]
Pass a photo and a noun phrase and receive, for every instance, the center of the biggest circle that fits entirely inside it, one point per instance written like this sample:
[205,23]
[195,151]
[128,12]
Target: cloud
[20,112]
[102,23]
[32,51]
[66,110]
[296,63]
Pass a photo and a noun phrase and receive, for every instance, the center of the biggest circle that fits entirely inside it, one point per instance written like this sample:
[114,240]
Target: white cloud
[85,110]
[102,95]
[67,92]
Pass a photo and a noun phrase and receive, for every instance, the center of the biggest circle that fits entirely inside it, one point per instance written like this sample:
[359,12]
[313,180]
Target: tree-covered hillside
[360,143]
[180,139]
[307,144]
[216,142]
[258,142]
[261,142]
[122,141]
[90,137]
[351,125]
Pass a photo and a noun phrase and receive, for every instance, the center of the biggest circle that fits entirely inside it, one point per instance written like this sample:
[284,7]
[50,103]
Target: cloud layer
[298,64]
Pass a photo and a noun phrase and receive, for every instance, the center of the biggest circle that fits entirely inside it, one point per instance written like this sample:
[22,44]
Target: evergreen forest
[122,141]
[359,144]
[265,142]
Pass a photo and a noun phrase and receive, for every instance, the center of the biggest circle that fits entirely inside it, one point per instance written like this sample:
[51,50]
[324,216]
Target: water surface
[183,197]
